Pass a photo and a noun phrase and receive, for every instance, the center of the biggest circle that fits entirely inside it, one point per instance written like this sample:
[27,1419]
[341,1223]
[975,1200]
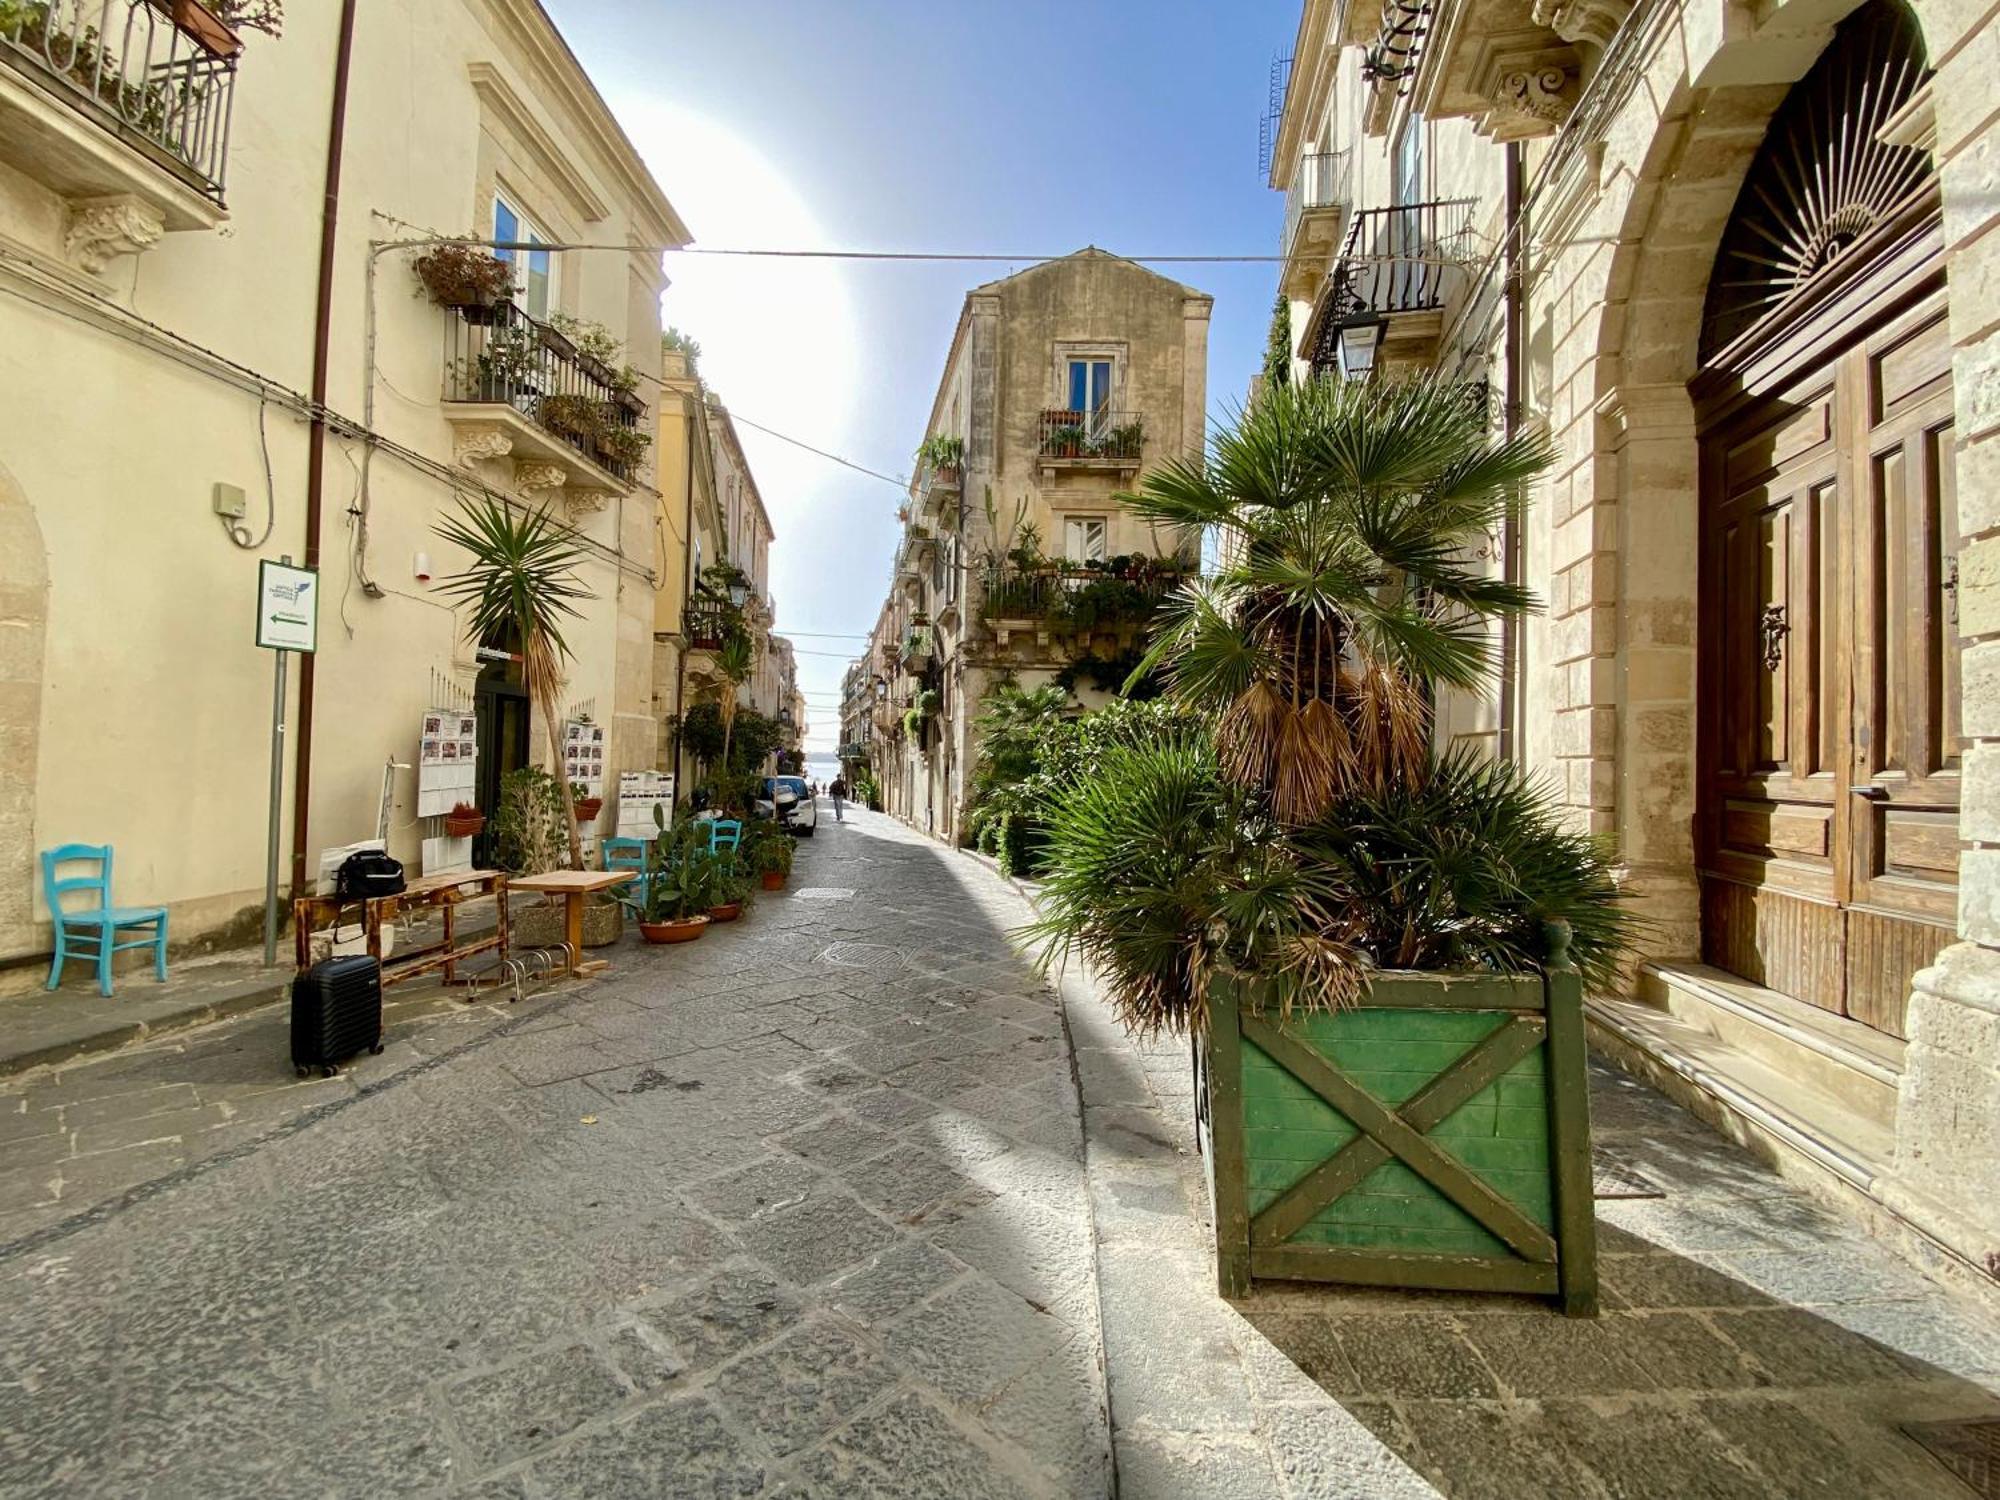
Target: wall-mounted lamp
[1356,341]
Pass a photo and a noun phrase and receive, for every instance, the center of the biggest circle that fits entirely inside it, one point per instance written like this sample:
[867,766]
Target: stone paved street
[814,1208]
[798,1209]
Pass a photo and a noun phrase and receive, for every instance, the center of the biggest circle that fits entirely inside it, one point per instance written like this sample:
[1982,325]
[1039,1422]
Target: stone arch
[24,609]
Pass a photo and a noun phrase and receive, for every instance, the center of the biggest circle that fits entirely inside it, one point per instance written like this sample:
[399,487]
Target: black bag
[336,1012]
[368,872]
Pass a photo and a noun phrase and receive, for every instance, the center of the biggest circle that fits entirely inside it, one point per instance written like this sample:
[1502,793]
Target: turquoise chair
[724,833]
[96,926]
[627,854]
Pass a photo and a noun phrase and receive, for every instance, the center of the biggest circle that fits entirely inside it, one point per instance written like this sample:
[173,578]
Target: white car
[787,799]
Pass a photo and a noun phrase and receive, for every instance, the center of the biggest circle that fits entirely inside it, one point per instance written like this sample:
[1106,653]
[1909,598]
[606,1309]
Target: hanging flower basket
[587,809]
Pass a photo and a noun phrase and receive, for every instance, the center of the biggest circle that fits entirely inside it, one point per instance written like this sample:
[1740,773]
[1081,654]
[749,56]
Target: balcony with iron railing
[939,492]
[113,97]
[1314,207]
[1065,598]
[505,368]
[708,622]
[1100,439]
[1397,269]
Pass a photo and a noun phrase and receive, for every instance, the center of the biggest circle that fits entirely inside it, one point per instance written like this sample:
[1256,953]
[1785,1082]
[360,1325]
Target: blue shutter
[1079,374]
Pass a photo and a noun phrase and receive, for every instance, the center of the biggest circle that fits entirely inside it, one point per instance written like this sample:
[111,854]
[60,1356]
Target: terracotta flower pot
[587,809]
[464,828]
[728,911]
[675,930]
[774,880]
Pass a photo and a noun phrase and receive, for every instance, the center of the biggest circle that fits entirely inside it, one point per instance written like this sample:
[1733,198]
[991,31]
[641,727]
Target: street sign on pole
[287,606]
[287,621]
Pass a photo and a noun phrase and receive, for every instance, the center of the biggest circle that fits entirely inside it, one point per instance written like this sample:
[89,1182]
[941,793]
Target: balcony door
[534,270]
[1089,391]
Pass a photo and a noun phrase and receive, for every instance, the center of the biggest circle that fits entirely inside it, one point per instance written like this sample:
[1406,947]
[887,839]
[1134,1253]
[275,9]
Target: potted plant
[463,821]
[945,455]
[571,416]
[625,390]
[679,887]
[771,855]
[731,891]
[1066,441]
[466,277]
[596,348]
[1362,935]
[586,804]
[623,445]
[520,582]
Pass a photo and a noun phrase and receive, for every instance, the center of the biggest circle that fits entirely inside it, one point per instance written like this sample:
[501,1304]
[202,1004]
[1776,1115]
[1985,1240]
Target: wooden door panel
[1883,951]
[1775,938]
[1830,742]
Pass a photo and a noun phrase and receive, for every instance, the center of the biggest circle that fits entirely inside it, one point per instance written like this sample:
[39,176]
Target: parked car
[791,802]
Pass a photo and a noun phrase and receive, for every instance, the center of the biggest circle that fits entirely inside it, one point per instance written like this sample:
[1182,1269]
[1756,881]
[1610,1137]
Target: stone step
[1742,1093]
[1856,1065]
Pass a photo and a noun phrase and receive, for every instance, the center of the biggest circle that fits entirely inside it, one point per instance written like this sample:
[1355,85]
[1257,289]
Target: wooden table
[447,892]
[573,886]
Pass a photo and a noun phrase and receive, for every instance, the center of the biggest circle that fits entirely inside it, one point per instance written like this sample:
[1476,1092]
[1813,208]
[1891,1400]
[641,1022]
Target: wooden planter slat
[1436,1135]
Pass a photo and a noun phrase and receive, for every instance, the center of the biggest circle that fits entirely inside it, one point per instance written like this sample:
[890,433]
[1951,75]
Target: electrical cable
[237,531]
[109,317]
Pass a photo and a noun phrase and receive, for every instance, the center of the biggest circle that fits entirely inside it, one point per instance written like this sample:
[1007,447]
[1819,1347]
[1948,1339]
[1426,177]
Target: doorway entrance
[1829,746]
[500,698]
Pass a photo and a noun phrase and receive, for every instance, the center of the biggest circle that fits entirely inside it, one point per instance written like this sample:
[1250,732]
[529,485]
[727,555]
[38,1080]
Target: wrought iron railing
[707,623]
[164,87]
[1402,259]
[499,355]
[1321,181]
[1100,435]
[940,487]
[1084,594]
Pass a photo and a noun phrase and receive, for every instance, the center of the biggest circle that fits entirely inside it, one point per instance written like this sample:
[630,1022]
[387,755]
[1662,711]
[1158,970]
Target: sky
[1025,130]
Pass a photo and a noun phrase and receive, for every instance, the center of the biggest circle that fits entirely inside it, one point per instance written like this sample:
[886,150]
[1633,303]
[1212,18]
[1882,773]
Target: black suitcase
[336,1012]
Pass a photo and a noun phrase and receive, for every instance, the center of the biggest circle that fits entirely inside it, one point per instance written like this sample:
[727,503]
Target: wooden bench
[445,892]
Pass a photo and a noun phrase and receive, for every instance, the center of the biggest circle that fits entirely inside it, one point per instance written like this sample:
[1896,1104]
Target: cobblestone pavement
[1754,1345]
[795,1210]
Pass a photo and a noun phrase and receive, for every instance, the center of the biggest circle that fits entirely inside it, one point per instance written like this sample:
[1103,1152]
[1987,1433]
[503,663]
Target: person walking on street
[838,791]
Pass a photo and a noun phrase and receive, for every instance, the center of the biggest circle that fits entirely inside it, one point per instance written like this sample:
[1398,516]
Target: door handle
[1872,793]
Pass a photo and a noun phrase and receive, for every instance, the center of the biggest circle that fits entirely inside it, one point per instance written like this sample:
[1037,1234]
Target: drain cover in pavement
[1971,1450]
[823,893]
[876,956]
[1611,1176]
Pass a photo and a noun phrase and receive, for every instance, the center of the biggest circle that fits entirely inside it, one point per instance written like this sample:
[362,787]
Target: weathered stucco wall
[152,696]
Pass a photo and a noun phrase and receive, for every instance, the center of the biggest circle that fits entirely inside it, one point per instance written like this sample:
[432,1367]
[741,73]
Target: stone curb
[253,995]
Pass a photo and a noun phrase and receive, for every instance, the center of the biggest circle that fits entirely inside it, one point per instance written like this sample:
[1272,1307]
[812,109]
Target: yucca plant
[521,584]
[1345,597]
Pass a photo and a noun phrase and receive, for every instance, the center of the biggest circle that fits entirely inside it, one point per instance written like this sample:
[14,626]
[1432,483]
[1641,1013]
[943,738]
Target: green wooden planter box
[1435,1135]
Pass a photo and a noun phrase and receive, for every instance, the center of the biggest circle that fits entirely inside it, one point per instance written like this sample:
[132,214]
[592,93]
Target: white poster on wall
[447,761]
[583,756]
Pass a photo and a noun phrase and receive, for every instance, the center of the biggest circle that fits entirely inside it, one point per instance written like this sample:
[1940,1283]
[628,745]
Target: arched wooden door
[1827,805]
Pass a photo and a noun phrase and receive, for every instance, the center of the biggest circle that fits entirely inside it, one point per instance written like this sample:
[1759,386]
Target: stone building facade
[160,255]
[1738,257]
[1062,384]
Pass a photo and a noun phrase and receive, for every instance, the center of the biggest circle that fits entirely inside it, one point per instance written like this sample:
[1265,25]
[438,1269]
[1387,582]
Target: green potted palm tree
[520,581]
[1379,949]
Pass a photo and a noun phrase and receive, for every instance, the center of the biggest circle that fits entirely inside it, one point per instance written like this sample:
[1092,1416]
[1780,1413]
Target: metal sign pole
[277,802]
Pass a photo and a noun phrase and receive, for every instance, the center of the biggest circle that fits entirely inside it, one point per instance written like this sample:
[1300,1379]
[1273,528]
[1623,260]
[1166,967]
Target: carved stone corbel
[1530,95]
[1592,22]
[101,229]
[530,477]
[470,445]
[582,504]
